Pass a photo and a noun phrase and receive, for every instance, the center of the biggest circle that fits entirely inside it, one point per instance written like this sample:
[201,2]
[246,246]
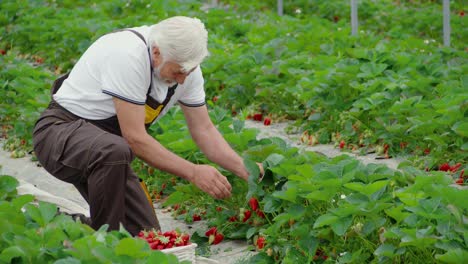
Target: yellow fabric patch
[151,114]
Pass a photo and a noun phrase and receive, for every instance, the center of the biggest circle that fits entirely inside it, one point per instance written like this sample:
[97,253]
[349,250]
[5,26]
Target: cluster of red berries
[169,239]
[452,169]
[259,117]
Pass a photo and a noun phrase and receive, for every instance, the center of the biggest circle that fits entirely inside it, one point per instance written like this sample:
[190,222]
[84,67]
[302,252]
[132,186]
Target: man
[95,124]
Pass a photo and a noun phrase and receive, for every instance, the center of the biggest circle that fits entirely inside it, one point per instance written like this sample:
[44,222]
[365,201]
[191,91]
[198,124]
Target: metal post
[354,18]
[447,23]
[280,7]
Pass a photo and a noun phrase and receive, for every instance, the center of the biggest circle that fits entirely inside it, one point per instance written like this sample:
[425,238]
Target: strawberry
[455,167]
[218,238]
[249,116]
[260,242]
[462,174]
[185,238]
[215,98]
[247,214]
[160,247]
[253,202]
[219,208]
[154,245]
[459,181]
[257,117]
[260,213]
[233,218]
[141,234]
[342,144]
[2,51]
[427,151]
[211,231]
[444,167]
[196,217]
[267,121]
[176,207]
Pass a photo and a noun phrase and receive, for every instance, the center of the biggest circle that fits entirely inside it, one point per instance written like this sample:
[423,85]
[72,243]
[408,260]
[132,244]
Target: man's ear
[156,51]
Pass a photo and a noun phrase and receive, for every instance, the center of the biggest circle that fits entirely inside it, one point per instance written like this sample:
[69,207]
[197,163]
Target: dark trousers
[97,163]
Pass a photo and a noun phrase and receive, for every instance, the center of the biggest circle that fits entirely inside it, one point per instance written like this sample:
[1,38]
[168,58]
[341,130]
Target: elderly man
[97,119]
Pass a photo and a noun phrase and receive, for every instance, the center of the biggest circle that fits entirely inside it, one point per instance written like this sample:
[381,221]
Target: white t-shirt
[118,64]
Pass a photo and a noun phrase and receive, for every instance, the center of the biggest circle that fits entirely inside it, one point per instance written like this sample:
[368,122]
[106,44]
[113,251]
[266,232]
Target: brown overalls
[94,157]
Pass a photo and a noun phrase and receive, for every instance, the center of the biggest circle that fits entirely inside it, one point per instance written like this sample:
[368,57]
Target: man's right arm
[131,120]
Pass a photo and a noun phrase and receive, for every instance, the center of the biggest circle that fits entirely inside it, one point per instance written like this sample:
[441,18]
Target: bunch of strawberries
[453,169]
[169,239]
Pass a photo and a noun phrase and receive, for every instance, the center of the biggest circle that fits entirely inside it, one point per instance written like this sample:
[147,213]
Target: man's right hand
[211,181]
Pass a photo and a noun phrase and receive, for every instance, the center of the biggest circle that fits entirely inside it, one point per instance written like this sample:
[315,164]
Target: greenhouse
[219,131]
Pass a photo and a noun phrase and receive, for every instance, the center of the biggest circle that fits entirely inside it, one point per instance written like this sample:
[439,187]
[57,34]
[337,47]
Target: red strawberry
[260,213]
[185,238]
[462,13]
[154,245]
[141,234]
[211,231]
[260,242]
[460,181]
[218,238]
[233,218]
[160,247]
[176,207]
[257,117]
[247,215]
[455,167]
[215,98]
[342,144]
[2,51]
[219,208]
[253,202]
[196,217]
[427,151]
[267,121]
[462,174]
[150,234]
[444,167]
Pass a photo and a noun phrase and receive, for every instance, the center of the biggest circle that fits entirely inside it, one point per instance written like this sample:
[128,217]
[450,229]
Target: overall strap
[140,36]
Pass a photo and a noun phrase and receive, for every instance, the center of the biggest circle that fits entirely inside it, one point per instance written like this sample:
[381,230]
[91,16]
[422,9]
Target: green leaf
[309,244]
[8,186]
[386,250]
[461,128]
[48,211]
[326,219]
[290,194]
[251,232]
[273,160]
[12,252]
[68,260]
[453,256]
[341,225]
[368,189]
[175,198]
[238,125]
[135,248]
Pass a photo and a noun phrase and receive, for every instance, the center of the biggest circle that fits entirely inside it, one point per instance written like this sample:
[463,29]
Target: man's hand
[211,181]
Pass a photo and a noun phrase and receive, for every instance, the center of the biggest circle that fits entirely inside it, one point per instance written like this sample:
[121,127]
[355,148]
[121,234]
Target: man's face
[168,71]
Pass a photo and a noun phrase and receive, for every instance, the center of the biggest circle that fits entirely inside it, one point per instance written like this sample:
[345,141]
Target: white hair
[183,40]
